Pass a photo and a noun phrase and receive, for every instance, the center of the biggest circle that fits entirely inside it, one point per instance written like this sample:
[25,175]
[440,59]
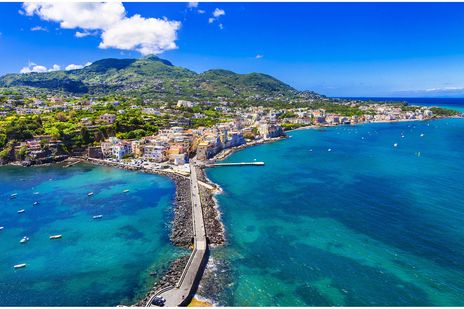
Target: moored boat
[21,211]
[90,194]
[20,266]
[125,191]
[97,217]
[24,240]
[1,228]
[35,204]
[56,236]
[14,195]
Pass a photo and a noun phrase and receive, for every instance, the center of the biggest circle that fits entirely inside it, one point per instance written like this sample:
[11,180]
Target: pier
[183,291]
[236,164]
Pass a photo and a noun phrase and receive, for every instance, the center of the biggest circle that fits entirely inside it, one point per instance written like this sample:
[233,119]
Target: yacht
[125,191]
[1,228]
[97,217]
[90,194]
[35,204]
[19,266]
[24,240]
[21,211]
[35,193]
[13,195]
[395,145]
[56,236]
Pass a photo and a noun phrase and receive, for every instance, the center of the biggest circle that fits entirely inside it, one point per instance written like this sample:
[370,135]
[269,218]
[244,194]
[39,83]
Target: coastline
[181,230]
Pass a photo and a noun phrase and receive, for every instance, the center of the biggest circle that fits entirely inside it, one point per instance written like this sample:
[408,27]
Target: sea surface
[451,103]
[341,217]
[102,262]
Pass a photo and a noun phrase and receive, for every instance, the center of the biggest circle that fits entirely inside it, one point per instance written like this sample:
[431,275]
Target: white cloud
[39,28]
[218,12]
[70,15]
[55,67]
[145,35]
[259,56]
[32,67]
[192,5]
[70,67]
[82,34]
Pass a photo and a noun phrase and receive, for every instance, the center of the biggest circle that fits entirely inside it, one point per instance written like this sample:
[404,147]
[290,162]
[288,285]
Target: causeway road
[182,293]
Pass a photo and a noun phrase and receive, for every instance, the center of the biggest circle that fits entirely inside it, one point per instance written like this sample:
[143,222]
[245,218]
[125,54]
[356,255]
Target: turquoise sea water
[363,224]
[102,262]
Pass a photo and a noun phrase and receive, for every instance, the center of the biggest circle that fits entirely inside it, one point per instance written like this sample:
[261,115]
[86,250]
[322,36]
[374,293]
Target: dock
[236,164]
[183,291]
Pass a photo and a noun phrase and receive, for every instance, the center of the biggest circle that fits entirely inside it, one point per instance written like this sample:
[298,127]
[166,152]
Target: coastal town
[94,129]
[177,140]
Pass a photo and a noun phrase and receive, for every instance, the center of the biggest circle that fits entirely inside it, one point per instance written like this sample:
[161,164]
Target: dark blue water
[102,262]
[361,225]
[451,103]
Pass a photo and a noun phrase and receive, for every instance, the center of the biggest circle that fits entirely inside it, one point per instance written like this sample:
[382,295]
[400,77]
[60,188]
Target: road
[181,294]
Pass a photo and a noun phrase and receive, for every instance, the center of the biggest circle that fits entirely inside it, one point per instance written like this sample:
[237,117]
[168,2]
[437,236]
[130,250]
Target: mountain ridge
[153,76]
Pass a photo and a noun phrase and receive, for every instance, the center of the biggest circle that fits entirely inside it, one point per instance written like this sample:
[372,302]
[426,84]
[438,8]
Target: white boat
[90,194]
[13,195]
[1,228]
[24,240]
[422,135]
[35,193]
[56,236]
[329,150]
[395,145]
[35,204]
[21,211]
[125,191]
[97,217]
[20,266]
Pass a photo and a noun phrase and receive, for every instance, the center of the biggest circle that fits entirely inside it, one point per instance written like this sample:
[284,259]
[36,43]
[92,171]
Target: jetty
[235,164]
[183,291]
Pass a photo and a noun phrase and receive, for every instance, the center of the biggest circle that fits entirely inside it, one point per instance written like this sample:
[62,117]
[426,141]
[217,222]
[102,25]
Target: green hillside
[154,77]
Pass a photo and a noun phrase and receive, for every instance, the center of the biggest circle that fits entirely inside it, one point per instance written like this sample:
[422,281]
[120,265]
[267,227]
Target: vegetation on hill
[151,77]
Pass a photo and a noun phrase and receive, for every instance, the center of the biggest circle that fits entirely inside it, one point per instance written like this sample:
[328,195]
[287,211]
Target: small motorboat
[422,135]
[35,204]
[1,228]
[24,240]
[395,145]
[97,217]
[56,236]
[35,193]
[14,195]
[90,194]
[329,150]
[125,191]
[20,266]
[21,211]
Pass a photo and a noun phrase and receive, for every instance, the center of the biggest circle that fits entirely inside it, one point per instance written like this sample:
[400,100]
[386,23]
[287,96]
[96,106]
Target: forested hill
[152,76]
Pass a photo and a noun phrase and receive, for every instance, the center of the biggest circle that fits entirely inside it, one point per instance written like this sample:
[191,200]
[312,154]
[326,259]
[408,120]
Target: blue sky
[337,49]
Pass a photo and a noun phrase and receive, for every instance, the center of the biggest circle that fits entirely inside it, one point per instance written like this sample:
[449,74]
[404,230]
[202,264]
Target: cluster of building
[373,113]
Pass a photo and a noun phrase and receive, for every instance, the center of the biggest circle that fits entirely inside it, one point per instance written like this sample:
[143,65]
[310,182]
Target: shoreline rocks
[212,216]
[169,278]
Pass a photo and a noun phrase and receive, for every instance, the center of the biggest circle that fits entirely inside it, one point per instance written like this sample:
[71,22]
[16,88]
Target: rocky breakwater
[211,214]
[168,279]
[182,226]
